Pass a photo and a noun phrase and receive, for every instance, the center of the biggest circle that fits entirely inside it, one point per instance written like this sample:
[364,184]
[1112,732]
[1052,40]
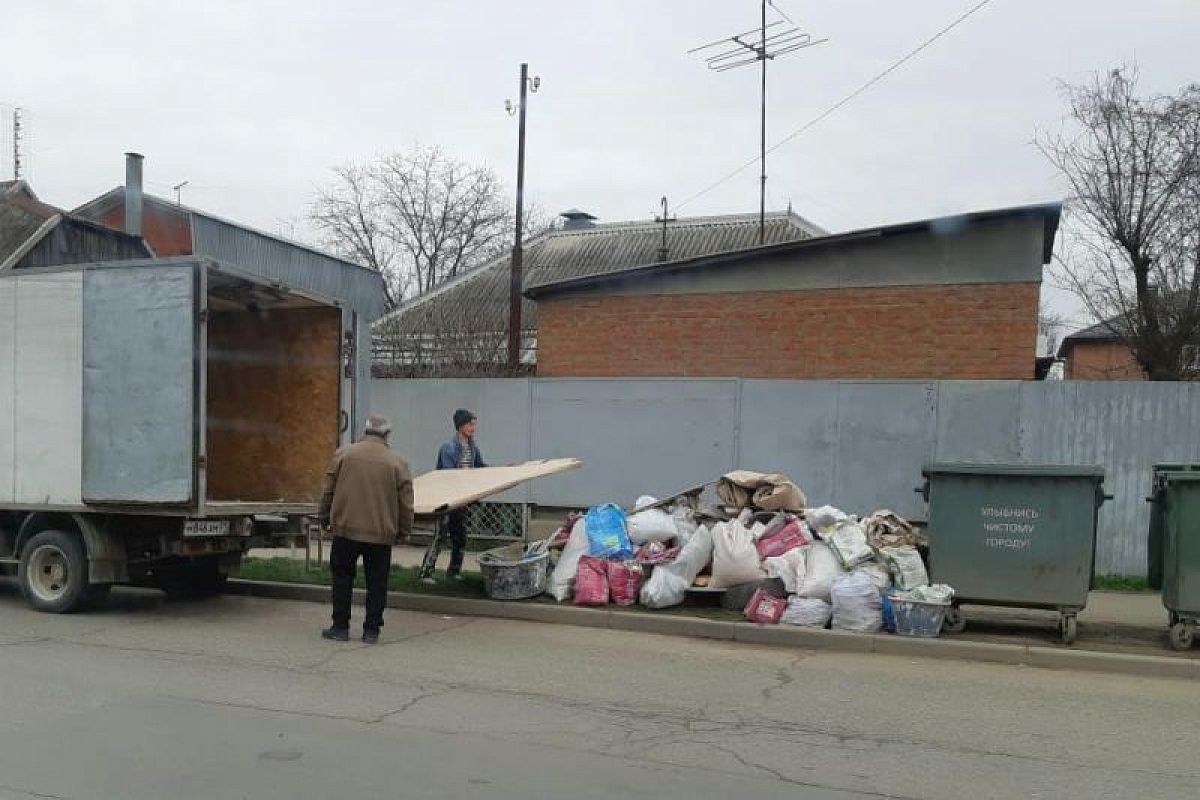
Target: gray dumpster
[1014,535]
[1174,547]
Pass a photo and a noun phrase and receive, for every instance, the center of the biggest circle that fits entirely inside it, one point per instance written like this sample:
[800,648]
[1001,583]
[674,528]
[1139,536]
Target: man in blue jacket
[461,452]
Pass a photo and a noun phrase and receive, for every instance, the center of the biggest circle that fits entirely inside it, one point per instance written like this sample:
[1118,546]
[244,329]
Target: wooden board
[445,490]
[273,403]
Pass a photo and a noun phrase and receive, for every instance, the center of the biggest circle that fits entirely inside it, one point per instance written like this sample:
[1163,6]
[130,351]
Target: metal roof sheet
[481,296]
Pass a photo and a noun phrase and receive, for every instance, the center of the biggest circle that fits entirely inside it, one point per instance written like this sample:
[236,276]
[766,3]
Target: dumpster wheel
[1183,635]
[954,622]
[1068,628]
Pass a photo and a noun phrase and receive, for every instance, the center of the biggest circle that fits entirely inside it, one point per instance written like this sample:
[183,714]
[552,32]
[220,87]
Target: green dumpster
[1174,547]
[1154,543]
[1014,535]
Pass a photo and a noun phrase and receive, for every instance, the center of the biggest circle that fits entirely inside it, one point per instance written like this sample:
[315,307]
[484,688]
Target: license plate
[206,527]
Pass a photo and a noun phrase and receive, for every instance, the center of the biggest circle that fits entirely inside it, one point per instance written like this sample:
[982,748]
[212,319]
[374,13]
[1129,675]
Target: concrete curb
[779,636]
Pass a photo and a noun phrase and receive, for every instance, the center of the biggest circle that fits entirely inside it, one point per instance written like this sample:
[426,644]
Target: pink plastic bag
[765,608]
[652,556]
[791,537]
[624,582]
[591,582]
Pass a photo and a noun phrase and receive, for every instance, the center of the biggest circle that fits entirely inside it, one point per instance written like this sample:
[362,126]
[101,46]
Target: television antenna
[775,39]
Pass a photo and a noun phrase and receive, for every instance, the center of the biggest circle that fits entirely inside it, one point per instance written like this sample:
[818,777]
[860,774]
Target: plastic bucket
[508,576]
[917,618]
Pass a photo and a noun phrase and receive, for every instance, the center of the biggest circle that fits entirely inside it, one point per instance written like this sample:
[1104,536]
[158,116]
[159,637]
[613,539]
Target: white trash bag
[735,558]
[906,566]
[857,605]
[562,581]
[668,584]
[685,521]
[652,525]
[825,518]
[788,567]
[849,543]
[808,612]
[878,573]
[820,568]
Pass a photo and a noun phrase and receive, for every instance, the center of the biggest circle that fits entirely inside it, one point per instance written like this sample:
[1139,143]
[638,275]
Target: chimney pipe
[133,193]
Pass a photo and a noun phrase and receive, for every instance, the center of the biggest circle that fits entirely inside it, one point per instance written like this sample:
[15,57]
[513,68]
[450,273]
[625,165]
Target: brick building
[1098,354]
[949,298]
[461,327]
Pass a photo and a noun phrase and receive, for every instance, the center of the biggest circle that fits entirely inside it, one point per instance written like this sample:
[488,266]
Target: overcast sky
[252,101]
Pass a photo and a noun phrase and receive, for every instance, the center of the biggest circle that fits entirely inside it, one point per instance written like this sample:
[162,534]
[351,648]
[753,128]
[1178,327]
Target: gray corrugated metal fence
[857,445]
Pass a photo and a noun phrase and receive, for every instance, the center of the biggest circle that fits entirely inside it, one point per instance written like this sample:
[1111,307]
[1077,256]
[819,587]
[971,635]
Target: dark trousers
[456,531]
[343,562]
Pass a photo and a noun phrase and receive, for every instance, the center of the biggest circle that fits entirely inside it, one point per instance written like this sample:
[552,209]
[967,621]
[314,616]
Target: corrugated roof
[1048,212]
[21,215]
[482,294]
[266,254]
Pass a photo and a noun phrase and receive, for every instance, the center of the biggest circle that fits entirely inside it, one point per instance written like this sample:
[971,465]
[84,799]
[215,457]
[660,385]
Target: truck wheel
[53,572]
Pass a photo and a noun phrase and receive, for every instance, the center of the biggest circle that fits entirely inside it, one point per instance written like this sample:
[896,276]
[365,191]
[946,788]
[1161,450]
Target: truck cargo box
[166,386]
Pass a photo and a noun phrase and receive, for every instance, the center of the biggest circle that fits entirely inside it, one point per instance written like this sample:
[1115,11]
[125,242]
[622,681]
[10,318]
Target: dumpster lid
[1022,470]
[1178,475]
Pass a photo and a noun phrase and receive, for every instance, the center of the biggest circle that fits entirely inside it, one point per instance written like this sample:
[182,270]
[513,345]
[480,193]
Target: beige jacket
[368,493]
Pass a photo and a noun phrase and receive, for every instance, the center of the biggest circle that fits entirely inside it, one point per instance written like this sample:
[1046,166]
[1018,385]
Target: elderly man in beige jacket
[368,504]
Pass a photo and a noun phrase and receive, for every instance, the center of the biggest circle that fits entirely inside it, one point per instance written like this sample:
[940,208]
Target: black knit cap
[462,417]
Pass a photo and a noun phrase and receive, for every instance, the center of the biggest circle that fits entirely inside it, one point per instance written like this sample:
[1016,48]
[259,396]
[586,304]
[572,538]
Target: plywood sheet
[49,369]
[273,403]
[448,489]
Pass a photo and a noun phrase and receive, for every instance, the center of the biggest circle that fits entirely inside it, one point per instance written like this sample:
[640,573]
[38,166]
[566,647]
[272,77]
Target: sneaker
[370,637]
[336,634]
[454,576]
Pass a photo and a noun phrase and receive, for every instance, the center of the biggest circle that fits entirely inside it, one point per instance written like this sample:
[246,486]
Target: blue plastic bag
[607,535]
[889,613]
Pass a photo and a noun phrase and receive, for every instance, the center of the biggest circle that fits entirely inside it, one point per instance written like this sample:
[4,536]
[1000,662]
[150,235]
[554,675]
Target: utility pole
[178,192]
[516,281]
[779,42]
[762,128]
[16,144]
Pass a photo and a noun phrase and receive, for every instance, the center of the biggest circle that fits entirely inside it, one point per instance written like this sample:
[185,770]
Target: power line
[829,111]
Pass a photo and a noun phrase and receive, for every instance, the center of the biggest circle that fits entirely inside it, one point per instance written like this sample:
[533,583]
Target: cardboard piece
[445,490]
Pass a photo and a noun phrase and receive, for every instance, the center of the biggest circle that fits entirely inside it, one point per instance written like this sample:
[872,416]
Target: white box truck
[158,419]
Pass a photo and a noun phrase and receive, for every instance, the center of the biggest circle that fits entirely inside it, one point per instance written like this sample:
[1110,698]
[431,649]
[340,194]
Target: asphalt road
[239,698]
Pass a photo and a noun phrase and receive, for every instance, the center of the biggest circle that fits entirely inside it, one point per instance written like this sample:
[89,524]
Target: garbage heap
[760,546]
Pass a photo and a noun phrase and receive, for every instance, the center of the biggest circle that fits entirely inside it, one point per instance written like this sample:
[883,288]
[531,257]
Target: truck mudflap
[107,560]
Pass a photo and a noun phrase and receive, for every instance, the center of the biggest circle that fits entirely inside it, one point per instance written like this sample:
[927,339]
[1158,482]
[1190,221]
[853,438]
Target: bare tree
[350,216]
[1133,165]
[1050,328]
[418,217]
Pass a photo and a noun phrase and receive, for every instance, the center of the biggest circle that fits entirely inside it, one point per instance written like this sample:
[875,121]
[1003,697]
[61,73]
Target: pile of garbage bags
[811,567]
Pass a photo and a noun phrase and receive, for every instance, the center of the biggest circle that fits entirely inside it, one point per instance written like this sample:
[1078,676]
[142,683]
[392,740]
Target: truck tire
[53,572]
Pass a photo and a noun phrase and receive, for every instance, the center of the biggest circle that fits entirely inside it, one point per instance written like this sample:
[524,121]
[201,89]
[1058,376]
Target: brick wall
[986,331]
[1102,361]
[168,232]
